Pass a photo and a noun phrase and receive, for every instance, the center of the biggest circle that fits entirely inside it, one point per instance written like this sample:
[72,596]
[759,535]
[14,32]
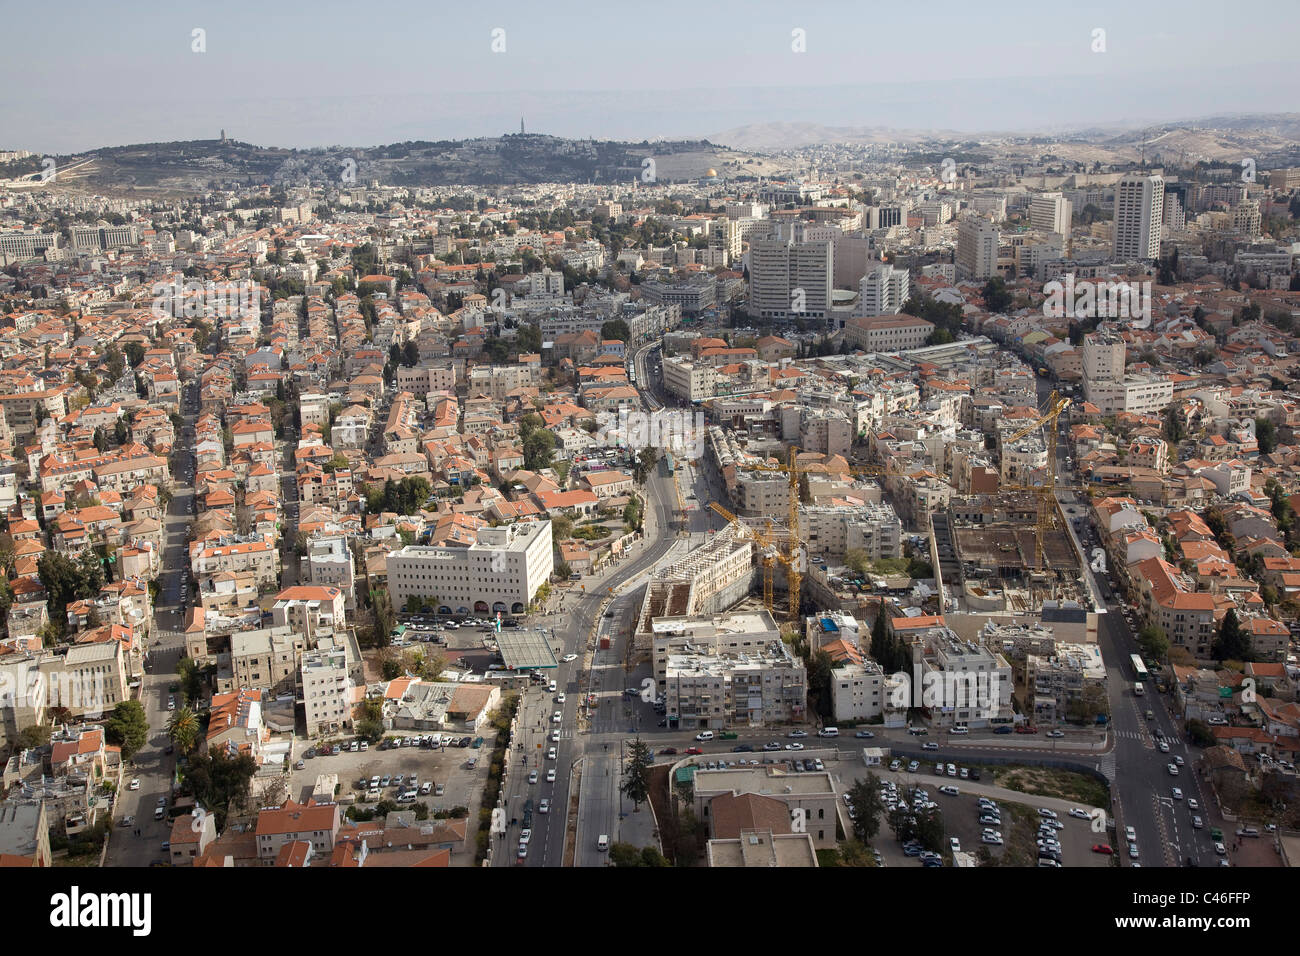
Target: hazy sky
[80,75]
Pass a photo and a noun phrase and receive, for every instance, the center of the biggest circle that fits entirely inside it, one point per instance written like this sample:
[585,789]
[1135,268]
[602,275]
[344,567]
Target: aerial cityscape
[820,489]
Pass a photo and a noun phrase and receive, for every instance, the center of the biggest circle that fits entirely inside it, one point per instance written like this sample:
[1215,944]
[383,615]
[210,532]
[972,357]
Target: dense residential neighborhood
[887,503]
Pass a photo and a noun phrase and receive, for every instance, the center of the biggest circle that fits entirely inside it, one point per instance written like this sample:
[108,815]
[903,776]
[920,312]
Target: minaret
[521,126]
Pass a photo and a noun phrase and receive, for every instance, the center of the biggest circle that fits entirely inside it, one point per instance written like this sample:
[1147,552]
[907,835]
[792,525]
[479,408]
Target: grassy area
[1019,837]
[1053,782]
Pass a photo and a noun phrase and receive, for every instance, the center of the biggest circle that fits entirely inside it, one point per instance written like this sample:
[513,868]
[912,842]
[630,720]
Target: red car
[1102,848]
[1026,729]
[694,750]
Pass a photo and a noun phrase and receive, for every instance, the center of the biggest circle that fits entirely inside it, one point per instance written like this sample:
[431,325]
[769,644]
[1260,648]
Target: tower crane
[1056,404]
[792,558]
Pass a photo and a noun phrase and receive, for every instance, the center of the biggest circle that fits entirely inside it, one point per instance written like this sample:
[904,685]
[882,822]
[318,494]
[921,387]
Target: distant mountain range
[197,165]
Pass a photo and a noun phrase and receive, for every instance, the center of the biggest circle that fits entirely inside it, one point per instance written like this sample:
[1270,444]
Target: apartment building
[1069,683]
[831,532]
[883,291]
[689,380]
[977,248]
[499,573]
[327,689]
[1051,212]
[887,333]
[258,557]
[858,691]
[308,609]
[264,659]
[312,823]
[1139,214]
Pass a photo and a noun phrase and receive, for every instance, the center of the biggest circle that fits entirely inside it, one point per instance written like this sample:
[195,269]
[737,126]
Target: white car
[1078,814]
[1163,747]
[1130,835]
[954,844]
[551,687]
[550,754]
[1192,804]
[557,717]
[1179,760]
[550,775]
[1176,793]
[544,806]
[1173,769]
[559,698]
[134,784]
[569,658]
[532,776]
[794,746]
[525,835]
[1048,814]
[1197,823]
[555,736]
[995,839]
[951,791]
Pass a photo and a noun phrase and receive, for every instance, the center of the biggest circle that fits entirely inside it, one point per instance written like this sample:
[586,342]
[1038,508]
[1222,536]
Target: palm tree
[183,729]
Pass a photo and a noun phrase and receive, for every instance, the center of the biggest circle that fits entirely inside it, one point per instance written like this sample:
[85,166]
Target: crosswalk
[1145,737]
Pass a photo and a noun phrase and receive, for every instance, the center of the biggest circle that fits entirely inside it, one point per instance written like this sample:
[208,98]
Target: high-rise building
[788,278]
[977,248]
[883,290]
[1175,211]
[1139,212]
[1103,358]
[1051,212]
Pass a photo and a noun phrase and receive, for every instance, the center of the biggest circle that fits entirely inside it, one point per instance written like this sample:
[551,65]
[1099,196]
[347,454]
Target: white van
[704,735]
[960,729]
[407,796]
[602,843]
[828,732]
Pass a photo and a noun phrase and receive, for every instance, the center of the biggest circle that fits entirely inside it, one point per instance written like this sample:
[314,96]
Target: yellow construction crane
[768,555]
[791,559]
[1056,404]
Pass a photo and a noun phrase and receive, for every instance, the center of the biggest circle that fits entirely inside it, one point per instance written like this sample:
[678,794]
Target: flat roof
[525,649]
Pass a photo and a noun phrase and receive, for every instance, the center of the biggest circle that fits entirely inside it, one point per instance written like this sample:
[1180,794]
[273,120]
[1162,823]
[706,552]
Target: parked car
[1104,848]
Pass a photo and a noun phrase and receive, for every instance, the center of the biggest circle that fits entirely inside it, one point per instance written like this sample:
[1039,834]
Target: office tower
[1139,212]
[1051,212]
[977,248]
[788,278]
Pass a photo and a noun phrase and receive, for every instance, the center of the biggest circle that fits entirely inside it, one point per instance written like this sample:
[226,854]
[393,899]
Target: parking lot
[446,766]
[1019,822]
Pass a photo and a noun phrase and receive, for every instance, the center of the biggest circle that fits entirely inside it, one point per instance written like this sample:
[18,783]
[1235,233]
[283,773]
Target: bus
[1139,669]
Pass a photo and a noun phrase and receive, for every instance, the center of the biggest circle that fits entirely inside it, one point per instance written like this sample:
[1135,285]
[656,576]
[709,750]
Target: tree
[539,447]
[996,297]
[68,580]
[819,682]
[1199,733]
[191,680]
[369,729]
[616,329]
[410,355]
[857,559]
[38,735]
[561,527]
[632,514]
[867,807]
[646,459]
[1232,642]
[219,782]
[1265,435]
[1153,643]
[563,571]
[127,727]
[100,439]
[636,776]
[183,729]
[121,433]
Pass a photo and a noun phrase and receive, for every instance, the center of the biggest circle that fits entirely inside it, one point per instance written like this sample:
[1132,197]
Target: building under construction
[988,548]
[708,580]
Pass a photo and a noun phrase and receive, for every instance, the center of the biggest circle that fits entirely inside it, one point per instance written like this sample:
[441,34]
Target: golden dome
[712,173]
